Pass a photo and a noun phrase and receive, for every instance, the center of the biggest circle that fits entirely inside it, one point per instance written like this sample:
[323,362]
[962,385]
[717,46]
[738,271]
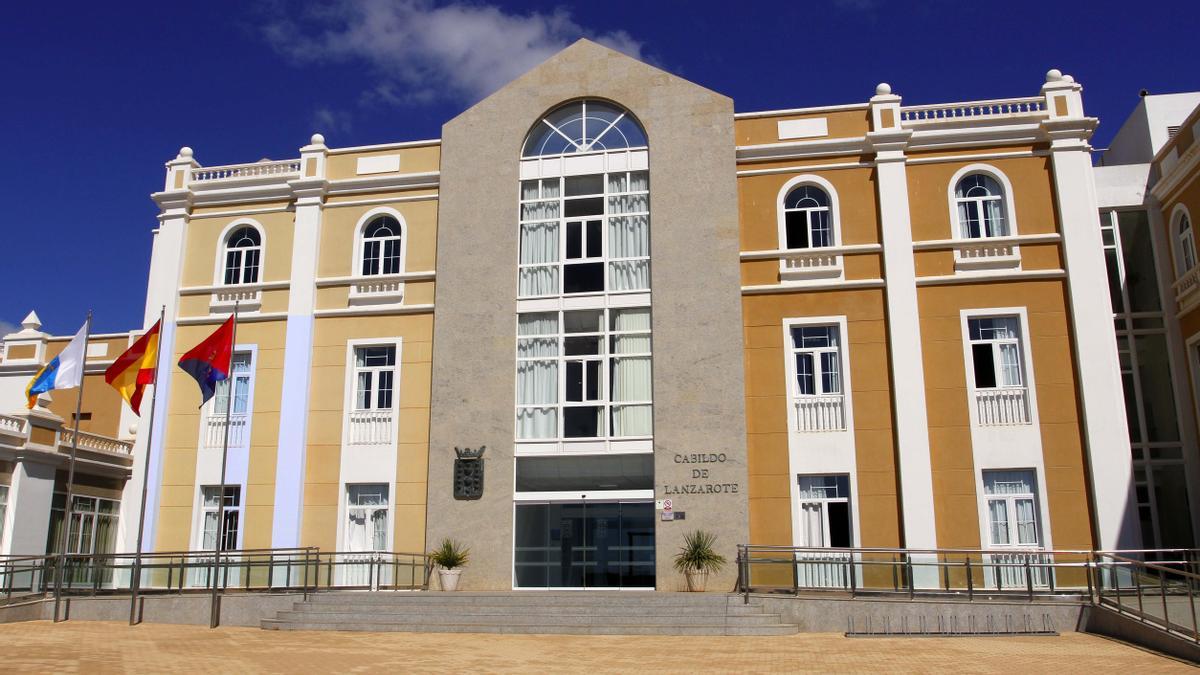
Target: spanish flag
[136,368]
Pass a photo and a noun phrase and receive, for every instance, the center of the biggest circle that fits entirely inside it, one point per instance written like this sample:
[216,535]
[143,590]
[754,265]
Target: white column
[309,191]
[166,265]
[1105,428]
[904,329]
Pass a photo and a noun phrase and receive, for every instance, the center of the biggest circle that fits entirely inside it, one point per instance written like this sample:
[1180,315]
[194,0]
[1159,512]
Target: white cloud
[422,51]
[6,328]
[331,120]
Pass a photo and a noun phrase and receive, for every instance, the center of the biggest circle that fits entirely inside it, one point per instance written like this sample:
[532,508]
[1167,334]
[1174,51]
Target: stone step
[537,599]
[526,609]
[628,619]
[542,629]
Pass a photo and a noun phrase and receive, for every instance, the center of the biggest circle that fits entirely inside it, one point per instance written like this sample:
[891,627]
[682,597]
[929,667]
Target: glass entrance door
[584,545]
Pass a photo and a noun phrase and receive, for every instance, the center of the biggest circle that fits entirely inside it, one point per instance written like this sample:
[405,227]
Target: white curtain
[537,423]
[994,215]
[1008,482]
[1010,365]
[811,516]
[998,518]
[1026,522]
[632,382]
[629,237]
[539,244]
[537,382]
[540,323]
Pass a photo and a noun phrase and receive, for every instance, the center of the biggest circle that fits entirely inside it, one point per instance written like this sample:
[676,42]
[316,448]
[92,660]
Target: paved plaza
[101,647]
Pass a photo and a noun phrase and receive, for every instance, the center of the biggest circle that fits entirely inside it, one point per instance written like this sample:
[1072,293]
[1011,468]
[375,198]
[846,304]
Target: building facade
[865,325]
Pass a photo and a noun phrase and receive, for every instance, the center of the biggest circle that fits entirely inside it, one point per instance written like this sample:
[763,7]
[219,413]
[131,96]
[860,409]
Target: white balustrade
[809,263]
[820,413]
[214,431]
[377,290]
[1187,283]
[982,249]
[370,427]
[248,298]
[1002,406]
[1016,570]
[282,169]
[89,441]
[1010,107]
[823,570]
[14,426]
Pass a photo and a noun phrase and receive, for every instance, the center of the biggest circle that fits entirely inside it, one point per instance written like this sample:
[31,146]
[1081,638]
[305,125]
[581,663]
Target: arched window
[980,204]
[807,218]
[584,126]
[382,246]
[243,253]
[1186,256]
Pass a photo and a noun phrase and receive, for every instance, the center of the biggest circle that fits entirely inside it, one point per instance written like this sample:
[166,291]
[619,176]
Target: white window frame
[346,508]
[201,510]
[604,258]
[1184,242]
[813,262]
[1025,352]
[605,442]
[795,398]
[985,252]
[223,249]
[1010,501]
[93,514]
[211,416]
[823,504]
[360,230]
[350,400]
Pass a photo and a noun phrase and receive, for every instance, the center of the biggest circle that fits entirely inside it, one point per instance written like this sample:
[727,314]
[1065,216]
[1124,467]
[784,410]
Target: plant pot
[449,578]
[697,580]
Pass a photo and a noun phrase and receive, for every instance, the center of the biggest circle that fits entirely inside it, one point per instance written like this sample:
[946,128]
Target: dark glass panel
[585,473]
[796,223]
[593,206]
[985,367]
[584,185]
[581,422]
[583,278]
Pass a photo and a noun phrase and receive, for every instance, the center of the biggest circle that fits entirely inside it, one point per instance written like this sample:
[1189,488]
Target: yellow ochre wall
[179,489]
[203,241]
[322,488]
[841,124]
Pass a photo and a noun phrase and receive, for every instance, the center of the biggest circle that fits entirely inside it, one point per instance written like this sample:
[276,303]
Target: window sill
[973,255]
[372,291]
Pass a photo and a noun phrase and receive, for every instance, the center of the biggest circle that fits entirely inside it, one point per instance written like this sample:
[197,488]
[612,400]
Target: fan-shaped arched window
[243,256]
[584,126]
[1186,256]
[382,251]
[806,218]
[980,202]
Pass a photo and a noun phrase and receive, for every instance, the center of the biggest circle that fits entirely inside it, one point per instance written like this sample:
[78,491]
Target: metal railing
[1161,594]
[305,570]
[968,573]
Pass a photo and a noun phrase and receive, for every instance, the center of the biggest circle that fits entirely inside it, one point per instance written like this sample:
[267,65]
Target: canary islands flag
[136,368]
[63,371]
[208,362]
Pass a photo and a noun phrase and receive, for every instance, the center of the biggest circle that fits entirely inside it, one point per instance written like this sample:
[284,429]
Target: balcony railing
[370,427]
[13,426]
[1002,406]
[230,172]
[820,413]
[1033,106]
[248,297]
[214,430]
[812,263]
[377,290]
[89,441]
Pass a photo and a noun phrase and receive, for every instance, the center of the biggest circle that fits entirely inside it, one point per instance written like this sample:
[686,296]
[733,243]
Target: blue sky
[98,95]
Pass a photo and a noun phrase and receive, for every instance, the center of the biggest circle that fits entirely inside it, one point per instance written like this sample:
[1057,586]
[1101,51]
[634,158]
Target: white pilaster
[166,265]
[904,330]
[309,191]
[1105,428]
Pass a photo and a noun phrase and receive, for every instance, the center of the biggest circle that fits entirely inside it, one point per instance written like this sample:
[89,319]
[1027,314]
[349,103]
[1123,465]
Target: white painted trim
[373,311]
[399,181]
[835,210]
[981,277]
[205,290]
[324,282]
[823,147]
[242,212]
[222,249]
[982,156]
[936,244]
[1010,208]
[348,394]
[800,111]
[802,287]
[382,200]
[385,146]
[1180,210]
[221,318]
[850,249]
[809,167]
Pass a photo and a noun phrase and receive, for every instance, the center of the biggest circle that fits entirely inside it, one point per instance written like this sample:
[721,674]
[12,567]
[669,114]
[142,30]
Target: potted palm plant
[450,558]
[697,558]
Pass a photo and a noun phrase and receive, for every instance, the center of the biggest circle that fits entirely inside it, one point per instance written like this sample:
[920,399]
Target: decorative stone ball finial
[883,89]
[317,139]
[1054,75]
[1068,78]
[185,153]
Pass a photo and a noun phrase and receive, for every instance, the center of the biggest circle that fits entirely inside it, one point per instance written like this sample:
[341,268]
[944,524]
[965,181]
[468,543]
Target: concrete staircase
[575,613]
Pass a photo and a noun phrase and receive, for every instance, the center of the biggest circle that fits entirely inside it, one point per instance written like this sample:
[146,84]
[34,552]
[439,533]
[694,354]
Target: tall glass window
[243,252]
[980,204]
[209,506]
[374,377]
[242,375]
[1146,372]
[382,247]
[996,352]
[806,218]
[93,524]
[366,518]
[1012,508]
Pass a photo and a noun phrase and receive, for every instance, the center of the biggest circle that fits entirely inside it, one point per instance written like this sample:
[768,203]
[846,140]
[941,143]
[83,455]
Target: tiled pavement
[100,647]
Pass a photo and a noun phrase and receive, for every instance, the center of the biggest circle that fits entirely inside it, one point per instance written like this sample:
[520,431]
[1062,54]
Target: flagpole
[215,618]
[58,568]
[135,583]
